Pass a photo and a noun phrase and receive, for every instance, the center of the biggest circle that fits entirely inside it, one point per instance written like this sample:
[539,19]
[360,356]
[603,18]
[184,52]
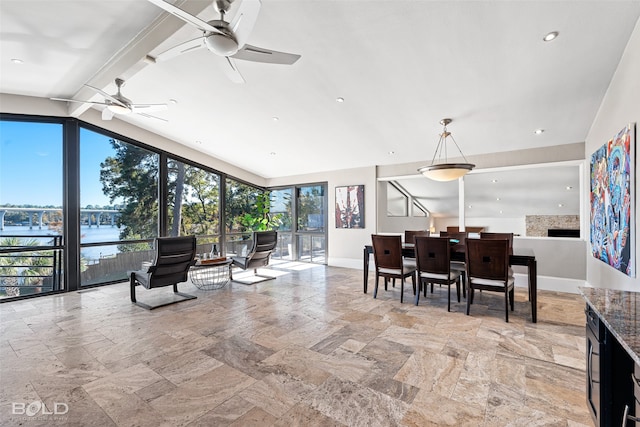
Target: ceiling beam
[133,57]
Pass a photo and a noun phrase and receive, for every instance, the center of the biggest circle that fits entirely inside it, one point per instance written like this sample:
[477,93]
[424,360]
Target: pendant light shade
[442,170]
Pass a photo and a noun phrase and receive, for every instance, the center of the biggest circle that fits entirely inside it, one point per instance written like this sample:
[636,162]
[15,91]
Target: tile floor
[306,349]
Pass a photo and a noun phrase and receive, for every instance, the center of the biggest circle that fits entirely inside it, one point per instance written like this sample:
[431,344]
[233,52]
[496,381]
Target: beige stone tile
[276,393]
[322,354]
[224,414]
[433,409]
[304,415]
[188,366]
[192,399]
[255,417]
[431,372]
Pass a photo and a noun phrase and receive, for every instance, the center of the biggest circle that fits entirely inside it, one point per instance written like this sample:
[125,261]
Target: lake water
[93,234]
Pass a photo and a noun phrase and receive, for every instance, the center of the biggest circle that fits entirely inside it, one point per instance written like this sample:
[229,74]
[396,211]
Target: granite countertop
[619,311]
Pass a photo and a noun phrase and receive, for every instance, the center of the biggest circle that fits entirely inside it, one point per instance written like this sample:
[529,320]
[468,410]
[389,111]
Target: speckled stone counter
[619,311]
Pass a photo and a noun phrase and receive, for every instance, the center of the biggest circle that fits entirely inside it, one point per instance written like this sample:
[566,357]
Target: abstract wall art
[612,202]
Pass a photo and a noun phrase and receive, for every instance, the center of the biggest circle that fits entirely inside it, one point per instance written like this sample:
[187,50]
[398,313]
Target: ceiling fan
[226,39]
[119,104]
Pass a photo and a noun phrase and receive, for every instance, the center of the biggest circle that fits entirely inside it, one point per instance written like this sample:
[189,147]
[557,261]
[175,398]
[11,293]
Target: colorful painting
[350,206]
[612,202]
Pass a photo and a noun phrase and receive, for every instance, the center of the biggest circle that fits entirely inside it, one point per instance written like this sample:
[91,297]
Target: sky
[31,164]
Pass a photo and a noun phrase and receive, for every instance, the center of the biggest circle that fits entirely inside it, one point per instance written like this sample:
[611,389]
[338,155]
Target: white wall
[620,106]
[345,245]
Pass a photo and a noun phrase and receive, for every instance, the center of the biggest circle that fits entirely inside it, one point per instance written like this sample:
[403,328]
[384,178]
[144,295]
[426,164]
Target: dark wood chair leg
[458,288]
[506,304]
[418,293]
[401,290]
[469,300]
[413,282]
[375,289]
[449,298]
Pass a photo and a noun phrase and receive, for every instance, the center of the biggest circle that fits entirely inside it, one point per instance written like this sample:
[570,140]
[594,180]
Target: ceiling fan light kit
[443,170]
[221,44]
[225,39]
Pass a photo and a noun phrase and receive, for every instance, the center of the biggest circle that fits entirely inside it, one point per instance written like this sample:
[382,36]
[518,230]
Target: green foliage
[18,269]
[259,218]
[132,175]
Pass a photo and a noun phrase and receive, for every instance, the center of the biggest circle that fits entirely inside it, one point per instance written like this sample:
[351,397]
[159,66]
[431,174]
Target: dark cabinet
[610,385]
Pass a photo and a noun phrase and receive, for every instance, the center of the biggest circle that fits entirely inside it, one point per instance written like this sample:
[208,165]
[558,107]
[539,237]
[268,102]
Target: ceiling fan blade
[188,18]
[244,20]
[145,108]
[185,47]
[258,54]
[81,102]
[232,72]
[106,95]
[149,116]
[107,114]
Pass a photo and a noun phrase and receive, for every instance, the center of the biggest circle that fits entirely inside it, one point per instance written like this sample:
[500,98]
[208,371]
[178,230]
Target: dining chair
[488,269]
[500,236]
[410,234]
[433,260]
[389,264]
[408,238]
[458,257]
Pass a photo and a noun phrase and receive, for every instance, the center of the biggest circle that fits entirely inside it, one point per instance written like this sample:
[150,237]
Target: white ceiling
[401,66]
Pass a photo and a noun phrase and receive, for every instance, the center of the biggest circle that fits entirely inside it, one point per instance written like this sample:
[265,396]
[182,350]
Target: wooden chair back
[433,255]
[499,236]
[410,234]
[387,251]
[487,259]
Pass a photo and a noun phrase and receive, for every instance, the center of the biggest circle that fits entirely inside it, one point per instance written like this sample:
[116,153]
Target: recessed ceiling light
[498,198]
[392,152]
[198,142]
[500,211]
[273,153]
[173,101]
[552,35]
[494,180]
[340,99]
[560,205]
[569,187]
[275,118]
[470,206]
[17,61]
[538,131]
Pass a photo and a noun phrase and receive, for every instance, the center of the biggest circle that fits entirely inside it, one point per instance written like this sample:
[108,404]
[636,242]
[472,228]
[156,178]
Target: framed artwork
[350,206]
[612,202]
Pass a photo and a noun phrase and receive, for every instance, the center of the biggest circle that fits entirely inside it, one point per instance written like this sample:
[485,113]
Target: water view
[93,234]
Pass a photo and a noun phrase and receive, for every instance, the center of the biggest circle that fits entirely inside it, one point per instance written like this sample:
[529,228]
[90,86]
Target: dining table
[520,256]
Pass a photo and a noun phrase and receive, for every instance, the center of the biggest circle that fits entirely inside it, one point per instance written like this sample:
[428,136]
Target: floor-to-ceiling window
[241,215]
[311,214]
[31,203]
[91,203]
[194,204]
[281,210]
[118,206]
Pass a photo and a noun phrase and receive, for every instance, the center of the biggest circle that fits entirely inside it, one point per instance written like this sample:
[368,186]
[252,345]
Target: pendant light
[444,171]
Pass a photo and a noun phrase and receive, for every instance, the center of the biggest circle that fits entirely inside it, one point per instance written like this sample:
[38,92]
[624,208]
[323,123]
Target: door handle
[626,416]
